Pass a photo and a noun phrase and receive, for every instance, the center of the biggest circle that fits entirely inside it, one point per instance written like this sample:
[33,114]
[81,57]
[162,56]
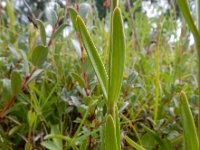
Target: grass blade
[73,15]
[184,8]
[133,144]
[117,57]
[93,56]
[190,135]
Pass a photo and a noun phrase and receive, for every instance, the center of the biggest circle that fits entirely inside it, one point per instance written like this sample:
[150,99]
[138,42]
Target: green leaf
[31,117]
[39,55]
[133,144]
[117,57]
[184,8]
[16,82]
[50,145]
[79,79]
[117,119]
[59,30]
[7,91]
[93,56]
[42,31]
[190,135]
[110,134]
[73,15]
[10,11]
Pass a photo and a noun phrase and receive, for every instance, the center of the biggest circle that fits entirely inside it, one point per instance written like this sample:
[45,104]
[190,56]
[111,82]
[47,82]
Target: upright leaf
[190,134]
[42,31]
[184,8]
[117,57]
[93,56]
[39,55]
[10,11]
[73,15]
[110,134]
[16,82]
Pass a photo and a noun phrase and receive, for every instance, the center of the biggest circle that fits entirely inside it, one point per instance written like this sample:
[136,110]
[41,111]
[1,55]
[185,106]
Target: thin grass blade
[133,144]
[190,134]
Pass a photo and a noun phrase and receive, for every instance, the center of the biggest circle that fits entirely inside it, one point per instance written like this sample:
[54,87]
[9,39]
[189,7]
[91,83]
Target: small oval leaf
[39,55]
[16,82]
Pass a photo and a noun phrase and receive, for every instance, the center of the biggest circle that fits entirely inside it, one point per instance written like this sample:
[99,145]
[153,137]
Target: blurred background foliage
[160,62]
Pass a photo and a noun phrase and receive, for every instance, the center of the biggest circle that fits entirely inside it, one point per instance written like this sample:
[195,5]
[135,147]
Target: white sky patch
[48,30]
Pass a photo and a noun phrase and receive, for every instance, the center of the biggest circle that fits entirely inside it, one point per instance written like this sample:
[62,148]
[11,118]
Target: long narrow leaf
[117,57]
[133,144]
[190,134]
[184,8]
[93,56]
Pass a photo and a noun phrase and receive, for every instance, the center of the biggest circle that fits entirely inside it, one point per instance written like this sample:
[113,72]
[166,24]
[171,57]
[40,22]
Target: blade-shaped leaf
[39,55]
[16,82]
[184,8]
[93,56]
[133,144]
[190,134]
[73,15]
[117,57]
[42,31]
[110,134]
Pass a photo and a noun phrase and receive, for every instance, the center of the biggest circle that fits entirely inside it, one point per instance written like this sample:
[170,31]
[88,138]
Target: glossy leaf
[16,82]
[117,57]
[93,56]
[190,134]
[42,31]
[133,144]
[59,30]
[39,55]
[110,134]
[73,14]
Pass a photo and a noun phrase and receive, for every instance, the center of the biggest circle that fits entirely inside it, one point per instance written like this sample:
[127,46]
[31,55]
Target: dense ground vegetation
[50,97]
